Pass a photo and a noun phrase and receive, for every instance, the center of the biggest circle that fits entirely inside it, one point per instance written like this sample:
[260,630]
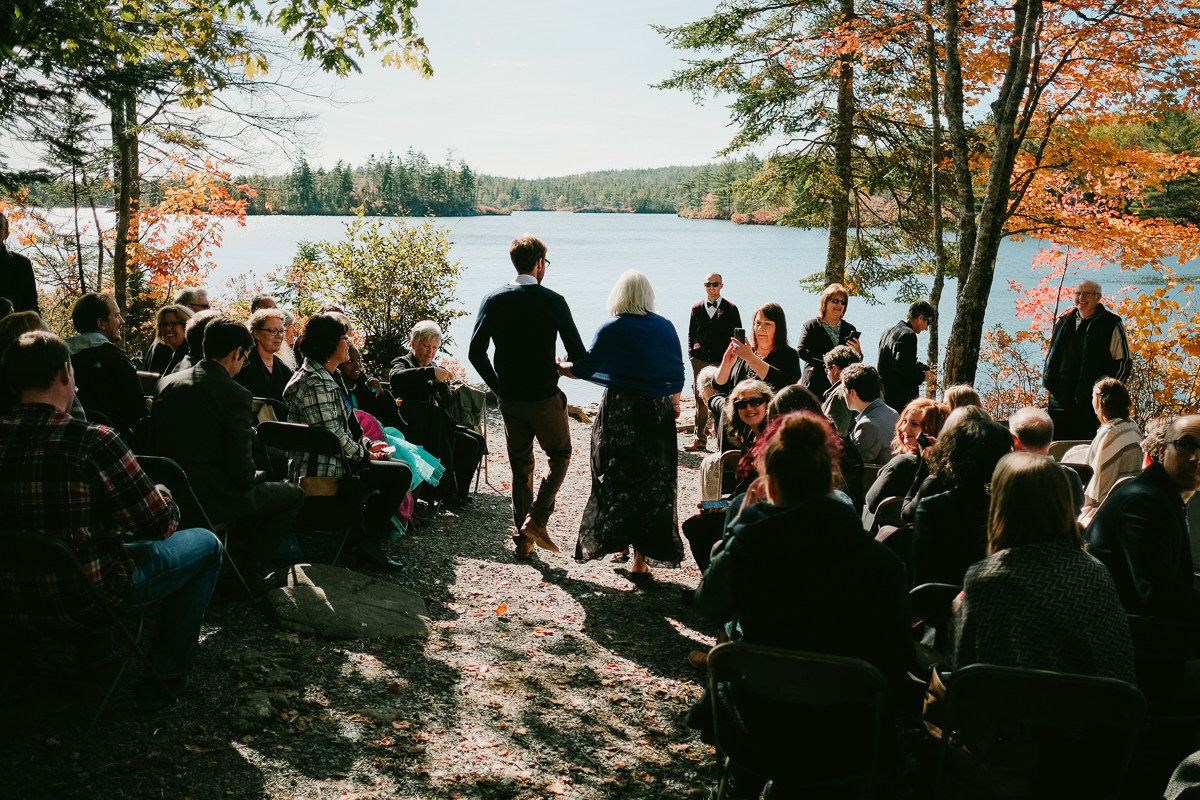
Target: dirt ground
[544,678]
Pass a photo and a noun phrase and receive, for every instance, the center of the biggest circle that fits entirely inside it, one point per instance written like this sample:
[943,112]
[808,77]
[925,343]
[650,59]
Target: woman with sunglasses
[820,335]
[767,358]
[265,374]
[743,419]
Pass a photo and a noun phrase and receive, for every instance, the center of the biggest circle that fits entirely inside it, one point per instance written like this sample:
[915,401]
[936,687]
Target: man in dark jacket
[17,282]
[1141,533]
[201,419]
[898,366]
[1088,343]
[105,378]
[525,319]
[709,330]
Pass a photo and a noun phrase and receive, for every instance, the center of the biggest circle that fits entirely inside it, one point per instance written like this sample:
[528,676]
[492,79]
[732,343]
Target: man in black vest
[899,368]
[16,275]
[709,331]
[1088,343]
[524,319]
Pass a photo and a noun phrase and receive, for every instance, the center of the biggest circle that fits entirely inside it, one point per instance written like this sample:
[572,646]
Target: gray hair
[189,295]
[425,329]
[259,318]
[705,378]
[632,294]
[288,317]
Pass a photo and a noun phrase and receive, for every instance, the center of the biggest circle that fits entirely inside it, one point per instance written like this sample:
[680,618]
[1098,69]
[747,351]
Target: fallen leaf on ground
[502,608]
[556,788]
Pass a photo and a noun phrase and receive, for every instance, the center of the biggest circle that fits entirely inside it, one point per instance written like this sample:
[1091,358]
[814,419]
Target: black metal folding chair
[28,554]
[806,679]
[268,409]
[171,475]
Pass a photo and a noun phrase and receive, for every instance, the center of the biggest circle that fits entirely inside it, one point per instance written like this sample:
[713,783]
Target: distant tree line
[645,191]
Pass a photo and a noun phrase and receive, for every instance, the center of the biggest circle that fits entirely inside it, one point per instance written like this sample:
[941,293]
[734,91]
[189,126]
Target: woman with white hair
[637,358]
[420,386]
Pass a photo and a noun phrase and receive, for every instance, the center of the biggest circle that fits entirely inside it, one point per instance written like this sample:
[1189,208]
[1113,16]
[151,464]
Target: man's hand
[675,403]
[441,375]
[165,492]
[564,368]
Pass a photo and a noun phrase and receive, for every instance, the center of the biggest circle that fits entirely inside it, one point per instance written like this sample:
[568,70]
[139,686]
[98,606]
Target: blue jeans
[181,571]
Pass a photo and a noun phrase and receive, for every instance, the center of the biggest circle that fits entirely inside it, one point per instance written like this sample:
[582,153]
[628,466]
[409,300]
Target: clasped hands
[564,368]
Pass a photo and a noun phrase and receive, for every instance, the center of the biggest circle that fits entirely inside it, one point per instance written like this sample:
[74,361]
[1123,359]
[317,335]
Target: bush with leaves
[387,275]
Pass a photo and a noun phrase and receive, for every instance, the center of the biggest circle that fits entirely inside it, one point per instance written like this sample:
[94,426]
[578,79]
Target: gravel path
[543,678]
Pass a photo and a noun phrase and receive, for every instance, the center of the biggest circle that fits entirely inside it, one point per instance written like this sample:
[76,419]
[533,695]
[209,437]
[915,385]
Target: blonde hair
[182,314]
[16,324]
[1031,503]
[960,396]
[632,294]
[738,433]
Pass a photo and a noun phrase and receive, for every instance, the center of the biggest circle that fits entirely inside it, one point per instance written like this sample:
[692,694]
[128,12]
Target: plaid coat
[315,398]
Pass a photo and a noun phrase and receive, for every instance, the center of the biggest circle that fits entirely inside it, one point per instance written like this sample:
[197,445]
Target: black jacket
[412,382]
[524,322]
[709,337]
[106,381]
[160,358]
[1141,535]
[201,419]
[17,281]
[949,535]
[902,374]
[784,370]
[263,382]
[1081,356]
[814,344]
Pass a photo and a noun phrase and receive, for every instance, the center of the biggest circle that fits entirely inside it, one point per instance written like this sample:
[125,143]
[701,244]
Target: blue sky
[531,88]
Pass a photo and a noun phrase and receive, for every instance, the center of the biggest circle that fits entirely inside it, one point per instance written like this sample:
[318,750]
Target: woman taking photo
[819,336]
[170,345]
[317,399]
[637,358]
[743,418]
[769,359]
[265,374]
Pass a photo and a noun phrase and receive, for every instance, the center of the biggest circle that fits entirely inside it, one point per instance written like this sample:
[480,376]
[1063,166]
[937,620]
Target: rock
[336,603]
[258,709]
[578,413]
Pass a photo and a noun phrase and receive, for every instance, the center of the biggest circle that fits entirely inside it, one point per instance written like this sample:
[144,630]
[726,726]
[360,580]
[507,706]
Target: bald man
[1088,343]
[709,331]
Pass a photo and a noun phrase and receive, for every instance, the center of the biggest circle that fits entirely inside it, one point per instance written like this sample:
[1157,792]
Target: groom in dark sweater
[524,319]
[709,331]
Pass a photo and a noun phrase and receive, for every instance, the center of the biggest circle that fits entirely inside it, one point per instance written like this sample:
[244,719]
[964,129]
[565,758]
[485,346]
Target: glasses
[712,285]
[837,301]
[162,325]
[272,331]
[1078,295]
[752,402]
[1185,446]
[545,261]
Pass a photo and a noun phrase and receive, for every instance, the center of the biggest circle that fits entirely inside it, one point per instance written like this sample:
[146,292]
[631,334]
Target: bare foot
[639,564]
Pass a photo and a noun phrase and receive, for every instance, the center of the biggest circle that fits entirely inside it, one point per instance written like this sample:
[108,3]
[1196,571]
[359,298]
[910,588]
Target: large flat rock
[337,603]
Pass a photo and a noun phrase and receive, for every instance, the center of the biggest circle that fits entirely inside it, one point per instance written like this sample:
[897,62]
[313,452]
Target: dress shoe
[536,531]
[696,445]
[525,547]
[371,555]
[698,659]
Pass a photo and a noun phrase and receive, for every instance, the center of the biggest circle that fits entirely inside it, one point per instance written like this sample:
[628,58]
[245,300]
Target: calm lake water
[588,251]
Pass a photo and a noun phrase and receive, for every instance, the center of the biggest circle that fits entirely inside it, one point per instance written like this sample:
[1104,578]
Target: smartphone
[922,439]
[707,504]
[739,334]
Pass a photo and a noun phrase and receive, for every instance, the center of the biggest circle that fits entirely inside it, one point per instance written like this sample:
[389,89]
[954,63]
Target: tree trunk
[964,207]
[843,139]
[124,171]
[962,351]
[135,172]
[939,249]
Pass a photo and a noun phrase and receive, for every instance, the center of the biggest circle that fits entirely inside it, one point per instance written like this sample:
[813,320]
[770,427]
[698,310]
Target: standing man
[902,374]
[16,275]
[195,299]
[1088,343]
[709,331]
[524,319]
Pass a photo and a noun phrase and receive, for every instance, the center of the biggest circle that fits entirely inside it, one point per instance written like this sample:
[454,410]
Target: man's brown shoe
[698,659]
[537,533]
[696,445]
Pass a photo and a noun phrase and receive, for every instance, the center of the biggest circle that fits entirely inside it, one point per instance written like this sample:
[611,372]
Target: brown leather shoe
[696,445]
[536,531]
[698,659]
[524,546]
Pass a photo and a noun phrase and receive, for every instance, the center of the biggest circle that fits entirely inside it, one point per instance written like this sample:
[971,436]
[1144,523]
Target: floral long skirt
[634,462]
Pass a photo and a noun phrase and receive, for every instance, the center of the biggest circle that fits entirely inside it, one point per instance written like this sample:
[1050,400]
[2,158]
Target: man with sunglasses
[1088,343]
[710,328]
[1141,532]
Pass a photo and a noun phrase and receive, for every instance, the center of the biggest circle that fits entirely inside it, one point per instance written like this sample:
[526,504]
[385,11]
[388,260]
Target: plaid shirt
[314,398]
[79,482]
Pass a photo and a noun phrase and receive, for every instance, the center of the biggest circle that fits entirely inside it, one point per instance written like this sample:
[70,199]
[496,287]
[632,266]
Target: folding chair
[28,554]
[171,475]
[323,508]
[806,679]
[886,513]
[149,382]
[1059,449]
[870,473]
[930,605]
[729,462]
[268,409]
[1032,732]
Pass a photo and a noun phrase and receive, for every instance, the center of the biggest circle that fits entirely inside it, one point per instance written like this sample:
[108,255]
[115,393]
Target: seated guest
[265,375]
[795,546]
[11,327]
[79,482]
[819,336]
[1141,533]
[1038,601]
[105,378]
[1154,441]
[193,298]
[193,332]
[205,408]
[6,307]
[743,418]
[863,390]
[316,398]
[263,300]
[286,353]
[170,345]
[705,394]
[950,529]
[793,398]
[920,416]
[416,379]
[959,396]
[1033,431]
[1116,452]
[367,393]
[769,358]
[834,404]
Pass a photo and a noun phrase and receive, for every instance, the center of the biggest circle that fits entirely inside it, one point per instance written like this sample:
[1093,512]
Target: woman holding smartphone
[767,358]
[820,335]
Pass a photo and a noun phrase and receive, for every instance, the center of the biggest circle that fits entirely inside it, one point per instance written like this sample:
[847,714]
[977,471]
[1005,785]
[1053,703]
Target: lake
[587,252]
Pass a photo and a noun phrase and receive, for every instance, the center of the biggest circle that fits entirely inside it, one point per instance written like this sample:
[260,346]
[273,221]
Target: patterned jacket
[79,482]
[316,398]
